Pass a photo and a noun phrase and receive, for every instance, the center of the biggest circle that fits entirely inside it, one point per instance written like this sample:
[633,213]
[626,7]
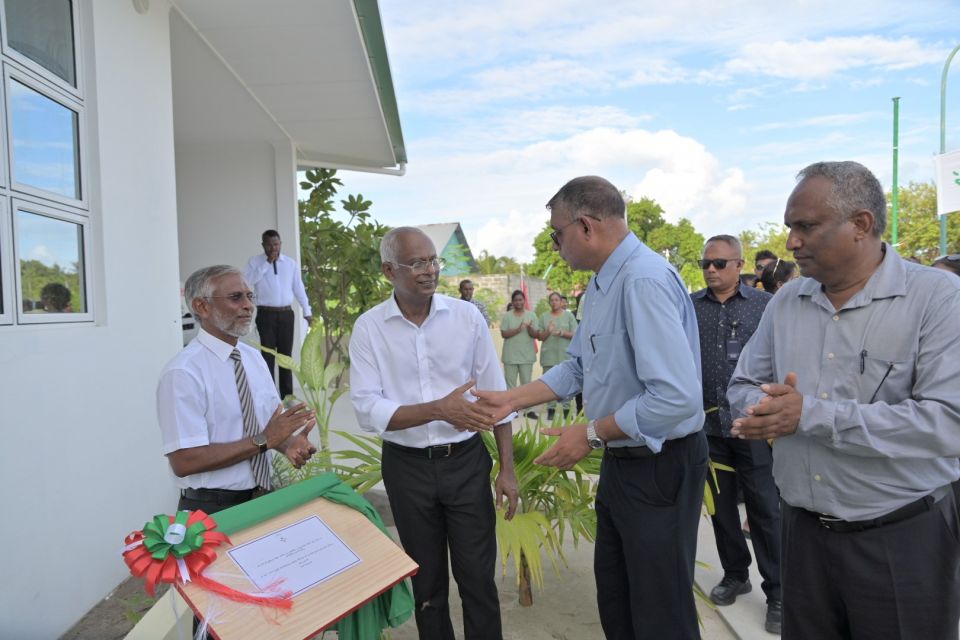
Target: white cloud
[557,121]
[44,254]
[510,235]
[817,59]
[499,196]
[831,120]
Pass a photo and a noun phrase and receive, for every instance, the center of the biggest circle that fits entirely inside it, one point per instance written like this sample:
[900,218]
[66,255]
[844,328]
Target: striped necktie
[260,463]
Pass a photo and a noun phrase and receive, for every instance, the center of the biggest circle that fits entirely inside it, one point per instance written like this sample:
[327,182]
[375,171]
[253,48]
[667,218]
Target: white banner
[948,182]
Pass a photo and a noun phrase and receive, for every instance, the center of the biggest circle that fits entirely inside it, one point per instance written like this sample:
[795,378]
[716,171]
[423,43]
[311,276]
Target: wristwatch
[592,438]
[261,441]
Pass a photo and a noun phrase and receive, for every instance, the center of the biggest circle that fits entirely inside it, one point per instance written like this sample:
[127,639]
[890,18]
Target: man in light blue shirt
[636,357]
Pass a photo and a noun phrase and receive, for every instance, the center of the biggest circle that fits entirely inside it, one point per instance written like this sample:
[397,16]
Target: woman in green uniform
[556,329]
[518,328]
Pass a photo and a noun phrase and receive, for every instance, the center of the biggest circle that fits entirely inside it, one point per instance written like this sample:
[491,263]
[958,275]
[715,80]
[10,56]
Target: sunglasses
[718,263]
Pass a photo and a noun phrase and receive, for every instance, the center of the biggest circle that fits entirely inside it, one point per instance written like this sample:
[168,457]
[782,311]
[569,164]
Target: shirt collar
[888,281]
[437,303]
[219,348]
[708,294]
[611,267]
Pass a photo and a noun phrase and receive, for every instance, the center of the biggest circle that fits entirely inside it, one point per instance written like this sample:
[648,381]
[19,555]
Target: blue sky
[709,108]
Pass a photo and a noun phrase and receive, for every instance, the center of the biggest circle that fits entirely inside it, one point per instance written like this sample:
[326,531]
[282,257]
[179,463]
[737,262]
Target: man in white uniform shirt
[201,408]
[412,359]
[276,280]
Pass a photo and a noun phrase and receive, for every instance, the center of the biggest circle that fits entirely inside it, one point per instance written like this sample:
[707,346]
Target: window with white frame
[44,209]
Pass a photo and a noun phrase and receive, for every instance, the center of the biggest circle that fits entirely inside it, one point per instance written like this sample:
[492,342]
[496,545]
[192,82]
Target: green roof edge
[368,12]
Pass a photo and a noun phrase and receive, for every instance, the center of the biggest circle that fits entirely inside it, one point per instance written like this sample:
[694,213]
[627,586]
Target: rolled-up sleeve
[366,387]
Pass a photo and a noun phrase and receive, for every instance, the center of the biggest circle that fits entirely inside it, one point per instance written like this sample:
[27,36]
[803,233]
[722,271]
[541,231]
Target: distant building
[452,246]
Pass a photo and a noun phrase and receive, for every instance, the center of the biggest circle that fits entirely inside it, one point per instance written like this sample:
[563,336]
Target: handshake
[488,408]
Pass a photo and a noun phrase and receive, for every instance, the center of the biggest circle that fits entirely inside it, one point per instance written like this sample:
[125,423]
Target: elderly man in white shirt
[412,360]
[218,410]
[276,280]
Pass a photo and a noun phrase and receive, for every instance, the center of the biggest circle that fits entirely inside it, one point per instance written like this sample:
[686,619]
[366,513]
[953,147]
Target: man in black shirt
[728,313]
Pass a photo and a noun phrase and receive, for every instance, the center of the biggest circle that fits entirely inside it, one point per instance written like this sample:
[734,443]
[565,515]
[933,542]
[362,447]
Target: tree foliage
[34,276]
[489,264]
[919,225]
[771,236]
[341,260]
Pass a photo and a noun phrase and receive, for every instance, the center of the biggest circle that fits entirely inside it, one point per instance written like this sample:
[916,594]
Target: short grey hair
[200,282]
[733,241]
[390,245]
[589,195]
[854,188]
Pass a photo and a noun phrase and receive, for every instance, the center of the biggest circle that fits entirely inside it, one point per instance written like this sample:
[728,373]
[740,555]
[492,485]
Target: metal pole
[943,137]
[895,232]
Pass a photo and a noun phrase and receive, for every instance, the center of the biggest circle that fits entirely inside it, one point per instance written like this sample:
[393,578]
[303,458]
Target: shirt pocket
[885,375]
[607,355]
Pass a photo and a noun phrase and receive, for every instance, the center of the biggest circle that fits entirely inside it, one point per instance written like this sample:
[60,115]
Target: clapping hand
[776,415]
[298,448]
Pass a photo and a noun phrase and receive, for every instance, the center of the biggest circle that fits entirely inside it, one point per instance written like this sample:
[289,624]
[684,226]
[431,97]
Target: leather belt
[223,497]
[642,451]
[897,515]
[266,308]
[436,451]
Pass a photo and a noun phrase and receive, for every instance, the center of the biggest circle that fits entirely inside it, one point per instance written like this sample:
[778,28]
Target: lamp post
[895,232]
[943,137]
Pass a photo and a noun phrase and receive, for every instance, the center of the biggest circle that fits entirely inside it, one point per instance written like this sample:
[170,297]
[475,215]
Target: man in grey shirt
[854,372]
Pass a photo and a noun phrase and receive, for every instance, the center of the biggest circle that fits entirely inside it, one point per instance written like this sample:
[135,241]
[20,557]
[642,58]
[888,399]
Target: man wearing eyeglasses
[728,313]
[276,279]
[636,356]
[413,358]
[218,433]
[853,372]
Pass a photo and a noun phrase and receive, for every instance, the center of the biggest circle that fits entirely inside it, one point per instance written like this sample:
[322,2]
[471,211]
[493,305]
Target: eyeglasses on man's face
[237,297]
[555,234]
[422,266]
[718,263]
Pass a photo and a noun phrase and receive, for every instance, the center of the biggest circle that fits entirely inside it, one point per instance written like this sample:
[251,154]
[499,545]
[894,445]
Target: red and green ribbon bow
[181,546]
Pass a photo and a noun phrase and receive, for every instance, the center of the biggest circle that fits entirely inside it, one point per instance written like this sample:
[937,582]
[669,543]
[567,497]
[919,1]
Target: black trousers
[899,581]
[275,327]
[753,461]
[440,504]
[648,510]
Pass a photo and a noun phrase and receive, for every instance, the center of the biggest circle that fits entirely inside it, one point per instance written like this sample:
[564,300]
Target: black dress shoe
[727,591]
[532,415]
[774,619]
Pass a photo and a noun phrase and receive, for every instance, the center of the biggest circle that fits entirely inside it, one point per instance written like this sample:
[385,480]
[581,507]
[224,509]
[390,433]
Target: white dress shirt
[276,289]
[198,404]
[394,363]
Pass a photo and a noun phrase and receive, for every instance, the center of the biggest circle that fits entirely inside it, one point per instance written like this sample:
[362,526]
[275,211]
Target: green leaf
[311,359]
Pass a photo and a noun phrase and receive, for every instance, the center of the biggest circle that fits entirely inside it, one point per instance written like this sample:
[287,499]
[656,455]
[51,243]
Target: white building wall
[228,194]
[80,465]
[226,198]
